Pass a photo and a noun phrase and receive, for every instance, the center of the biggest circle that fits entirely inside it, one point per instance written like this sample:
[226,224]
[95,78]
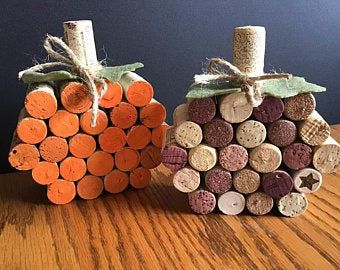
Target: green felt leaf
[211,90]
[283,88]
[36,77]
[114,74]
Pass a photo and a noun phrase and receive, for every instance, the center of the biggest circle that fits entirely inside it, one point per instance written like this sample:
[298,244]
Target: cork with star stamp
[86,128]
[252,141]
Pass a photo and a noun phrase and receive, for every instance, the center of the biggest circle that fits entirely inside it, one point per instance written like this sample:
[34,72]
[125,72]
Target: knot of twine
[64,56]
[222,70]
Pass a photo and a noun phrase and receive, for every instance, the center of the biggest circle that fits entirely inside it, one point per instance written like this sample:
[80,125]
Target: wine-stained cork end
[249,45]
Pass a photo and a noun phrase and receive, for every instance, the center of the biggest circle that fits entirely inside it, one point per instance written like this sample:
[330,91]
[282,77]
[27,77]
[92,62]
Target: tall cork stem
[80,38]
[249,45]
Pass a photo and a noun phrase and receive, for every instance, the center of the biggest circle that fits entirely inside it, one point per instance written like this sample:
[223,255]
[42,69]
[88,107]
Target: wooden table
[155,229]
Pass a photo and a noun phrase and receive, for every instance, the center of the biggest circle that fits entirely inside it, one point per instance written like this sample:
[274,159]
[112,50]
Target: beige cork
[251,133]
[180,114]
[186,180]
[293,204]
[326,157]
[235,108]
[188,134]
[314,130]
[307,180]
[202,157]
[265,158]
[246,181]
[249,45]
[80,38]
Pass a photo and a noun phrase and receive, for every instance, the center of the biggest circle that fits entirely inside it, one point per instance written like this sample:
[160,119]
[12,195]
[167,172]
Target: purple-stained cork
[233,157]
[297,156]
[202,110]
[202,201]
[277,184]
[218,180]
[270,110]
[218,132]
[174,157]
[282,132]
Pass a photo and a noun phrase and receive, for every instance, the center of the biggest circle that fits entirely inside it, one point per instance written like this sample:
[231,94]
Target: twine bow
[220,70]
[64,56]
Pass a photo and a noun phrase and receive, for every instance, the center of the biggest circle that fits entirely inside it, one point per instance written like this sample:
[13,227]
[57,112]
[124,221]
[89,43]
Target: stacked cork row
[54,138]
[228,155]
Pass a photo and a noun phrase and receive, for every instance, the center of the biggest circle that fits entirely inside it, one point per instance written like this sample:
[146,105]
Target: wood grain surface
[155,229]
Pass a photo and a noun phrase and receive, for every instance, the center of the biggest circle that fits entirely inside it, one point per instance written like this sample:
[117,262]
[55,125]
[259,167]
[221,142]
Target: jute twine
[220,70]
[64,56]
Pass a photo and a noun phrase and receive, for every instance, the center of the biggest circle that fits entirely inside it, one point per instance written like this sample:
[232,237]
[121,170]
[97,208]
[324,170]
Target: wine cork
[282,132]
[218,133]
[307,180]
[293,204]
[277,184]
[23,157]
[270,110]
[61,191]
[64,124]
[53,149]
[201,110]
[137,91]
[82,145]
[158,135]
[40,101]
[188,134]
[169,138]
[180,114]
[299,107]
[233,157]
[218,180]
[326,157]
[246,181]
[235,108]
[314,130]
[249,43]
[186,180]
[75,97]
[150,157]
[45,172]
[231,203]
[174,157]
[202,157]
[79,37]
[265,158]
[202,201]
[297,156]
[30,130]
[251,133]
[153,114]
[259,203]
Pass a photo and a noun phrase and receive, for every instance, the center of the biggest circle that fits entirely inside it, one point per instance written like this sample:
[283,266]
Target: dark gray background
[172,38]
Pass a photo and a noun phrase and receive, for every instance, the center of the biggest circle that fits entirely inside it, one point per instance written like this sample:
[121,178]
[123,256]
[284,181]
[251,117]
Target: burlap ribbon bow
[64,56]
[220,70]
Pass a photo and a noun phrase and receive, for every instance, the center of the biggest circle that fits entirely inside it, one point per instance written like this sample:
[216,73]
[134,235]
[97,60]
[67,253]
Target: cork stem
[249,44]
[80,38]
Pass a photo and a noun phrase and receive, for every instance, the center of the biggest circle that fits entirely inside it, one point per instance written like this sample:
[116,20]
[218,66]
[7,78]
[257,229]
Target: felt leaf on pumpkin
[283,88]
[113,74]
[280,88]
[36,77]
[211,90]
